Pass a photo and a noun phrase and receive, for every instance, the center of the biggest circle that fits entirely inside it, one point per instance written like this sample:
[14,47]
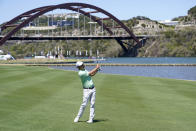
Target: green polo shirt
[86,80]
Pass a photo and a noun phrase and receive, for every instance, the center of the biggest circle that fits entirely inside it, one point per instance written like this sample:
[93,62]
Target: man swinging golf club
[89,90]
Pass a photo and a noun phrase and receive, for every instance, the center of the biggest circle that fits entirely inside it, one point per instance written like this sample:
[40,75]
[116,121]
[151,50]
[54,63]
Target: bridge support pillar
[132,51]
[122,45]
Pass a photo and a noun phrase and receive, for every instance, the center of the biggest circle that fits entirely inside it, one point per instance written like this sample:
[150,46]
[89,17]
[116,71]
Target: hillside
[141,25]
[190,18]
[176,42]
[171,43]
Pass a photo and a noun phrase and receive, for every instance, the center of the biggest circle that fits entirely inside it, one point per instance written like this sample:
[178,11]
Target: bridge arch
[77,7]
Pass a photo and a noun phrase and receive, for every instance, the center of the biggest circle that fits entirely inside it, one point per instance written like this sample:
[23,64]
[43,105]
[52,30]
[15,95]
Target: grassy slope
[40,99]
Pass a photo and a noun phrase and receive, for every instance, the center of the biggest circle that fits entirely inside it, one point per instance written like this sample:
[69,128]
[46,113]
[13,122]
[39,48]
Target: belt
[90,88]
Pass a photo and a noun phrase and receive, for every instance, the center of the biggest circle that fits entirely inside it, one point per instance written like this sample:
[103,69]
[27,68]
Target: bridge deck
[75,37]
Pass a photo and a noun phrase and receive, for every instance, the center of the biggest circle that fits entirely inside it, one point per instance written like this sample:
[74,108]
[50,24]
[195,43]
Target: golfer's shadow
[97,120]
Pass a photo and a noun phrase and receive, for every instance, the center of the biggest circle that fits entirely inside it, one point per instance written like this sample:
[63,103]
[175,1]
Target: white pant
[88,94]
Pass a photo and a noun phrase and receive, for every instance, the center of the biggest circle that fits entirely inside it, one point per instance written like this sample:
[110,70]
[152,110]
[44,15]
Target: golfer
[89,90]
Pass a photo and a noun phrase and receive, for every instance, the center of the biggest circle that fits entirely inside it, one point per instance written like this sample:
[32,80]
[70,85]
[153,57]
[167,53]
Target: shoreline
[102,64]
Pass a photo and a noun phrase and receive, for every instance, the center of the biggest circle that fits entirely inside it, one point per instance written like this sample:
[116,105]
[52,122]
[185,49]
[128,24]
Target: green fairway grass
[44,99]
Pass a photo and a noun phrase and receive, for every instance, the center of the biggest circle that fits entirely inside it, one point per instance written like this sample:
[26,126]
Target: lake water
[160,60]
[172,72]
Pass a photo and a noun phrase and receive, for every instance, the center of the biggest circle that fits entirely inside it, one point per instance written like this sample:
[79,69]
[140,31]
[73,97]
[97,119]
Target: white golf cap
[79,63]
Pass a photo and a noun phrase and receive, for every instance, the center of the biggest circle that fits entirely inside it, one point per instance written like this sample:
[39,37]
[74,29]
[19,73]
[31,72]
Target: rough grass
[43,99]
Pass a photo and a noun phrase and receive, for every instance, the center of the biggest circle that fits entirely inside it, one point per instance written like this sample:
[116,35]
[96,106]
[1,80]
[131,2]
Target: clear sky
[122,9]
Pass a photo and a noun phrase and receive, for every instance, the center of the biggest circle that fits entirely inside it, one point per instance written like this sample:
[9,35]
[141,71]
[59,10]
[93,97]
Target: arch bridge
[92,14]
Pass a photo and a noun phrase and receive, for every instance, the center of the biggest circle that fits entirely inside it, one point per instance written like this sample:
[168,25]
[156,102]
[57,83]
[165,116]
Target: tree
[192,12]
[143,25]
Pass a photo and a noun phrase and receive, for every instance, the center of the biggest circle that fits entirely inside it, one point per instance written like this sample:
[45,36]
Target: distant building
[65,16]
[61,23]
[147,27]
[169,22]
[73,15]
[39,28]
